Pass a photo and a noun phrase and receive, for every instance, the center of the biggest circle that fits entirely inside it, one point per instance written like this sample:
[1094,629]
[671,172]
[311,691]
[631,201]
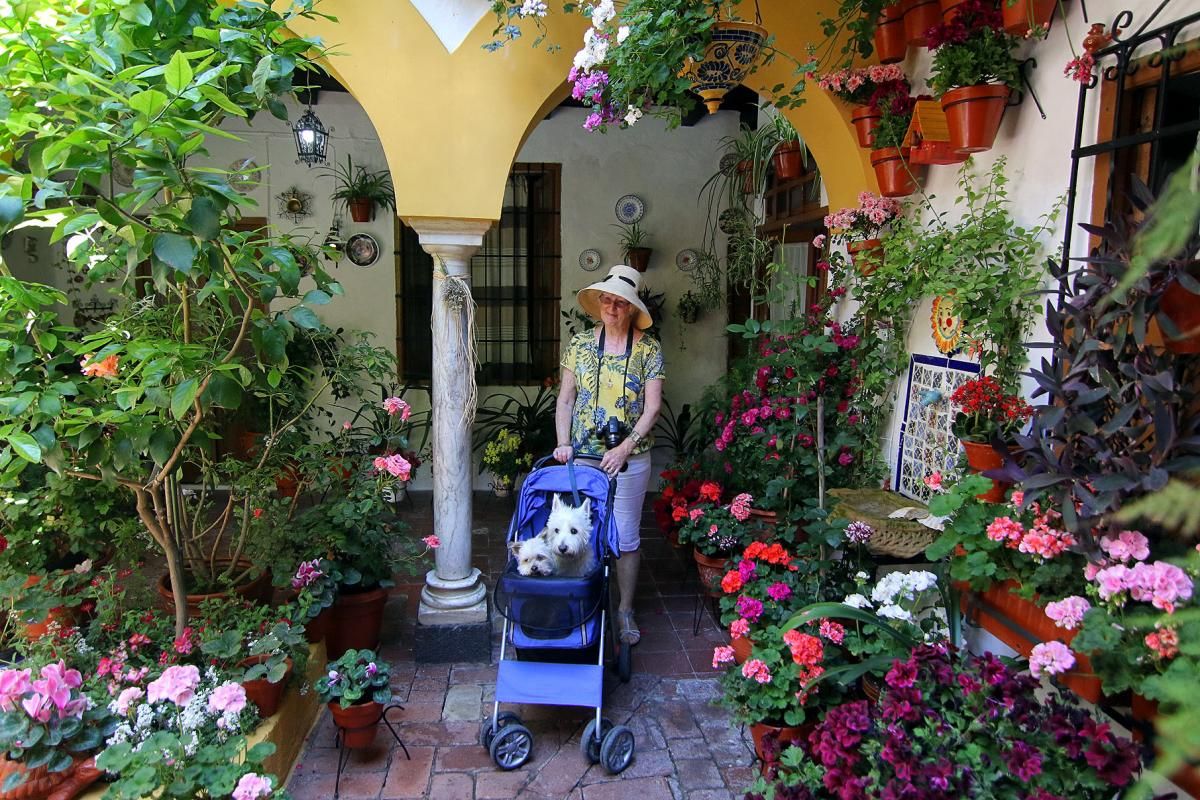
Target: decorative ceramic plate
[362,249]
[686,259]
[590,259]
[244,174]
[630,209]
[947,325]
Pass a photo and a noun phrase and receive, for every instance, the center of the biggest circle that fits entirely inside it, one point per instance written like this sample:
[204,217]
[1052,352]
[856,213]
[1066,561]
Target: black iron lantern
[333,243]
[312,139]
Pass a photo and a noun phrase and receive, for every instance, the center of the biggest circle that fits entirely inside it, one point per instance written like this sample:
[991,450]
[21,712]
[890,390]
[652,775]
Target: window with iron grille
[514,280]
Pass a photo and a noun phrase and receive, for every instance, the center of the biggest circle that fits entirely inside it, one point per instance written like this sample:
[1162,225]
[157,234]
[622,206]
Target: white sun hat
[623,282]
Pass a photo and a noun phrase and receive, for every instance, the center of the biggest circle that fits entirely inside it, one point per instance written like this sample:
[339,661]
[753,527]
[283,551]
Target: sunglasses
[616,302]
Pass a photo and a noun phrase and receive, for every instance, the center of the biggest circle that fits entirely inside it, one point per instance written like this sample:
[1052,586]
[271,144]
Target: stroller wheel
[616,751]
[624,662]
[589,745]
[485,727]
[512,746]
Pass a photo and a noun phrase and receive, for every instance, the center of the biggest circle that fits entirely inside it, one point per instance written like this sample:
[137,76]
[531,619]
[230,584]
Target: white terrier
[569,533]
[534,556]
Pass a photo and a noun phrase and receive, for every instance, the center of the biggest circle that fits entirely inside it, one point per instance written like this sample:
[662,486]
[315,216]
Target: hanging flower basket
[890,42]
[981,457]
[973,115]
[1182,307]
[865,118]
[896,177]
[728,57]
[788,160]
[866,255]
[1022,16]
[920,16]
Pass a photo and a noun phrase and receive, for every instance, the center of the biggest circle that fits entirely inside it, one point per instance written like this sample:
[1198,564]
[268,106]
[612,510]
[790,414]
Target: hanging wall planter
[1022,16]
[866,255]
[865,118]
[973,115]
[982,457]
[788,160]
[950,9]
[890,42]
[728,57]
[919,17]
[638,258]
[896,177]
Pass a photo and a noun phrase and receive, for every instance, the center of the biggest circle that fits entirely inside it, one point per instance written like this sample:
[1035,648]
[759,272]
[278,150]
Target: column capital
[453,238]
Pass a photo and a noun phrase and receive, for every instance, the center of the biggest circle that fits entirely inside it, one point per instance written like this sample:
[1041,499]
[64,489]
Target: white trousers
[629,499]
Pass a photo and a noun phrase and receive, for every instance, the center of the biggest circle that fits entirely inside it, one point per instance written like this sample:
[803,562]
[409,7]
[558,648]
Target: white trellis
[926,443]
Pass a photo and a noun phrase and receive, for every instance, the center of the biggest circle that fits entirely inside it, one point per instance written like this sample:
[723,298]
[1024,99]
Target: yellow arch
[452,123]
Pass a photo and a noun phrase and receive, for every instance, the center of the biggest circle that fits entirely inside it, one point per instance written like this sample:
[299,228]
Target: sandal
[627,628]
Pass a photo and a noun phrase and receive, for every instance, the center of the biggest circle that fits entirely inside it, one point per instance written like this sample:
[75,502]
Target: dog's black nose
[562,548]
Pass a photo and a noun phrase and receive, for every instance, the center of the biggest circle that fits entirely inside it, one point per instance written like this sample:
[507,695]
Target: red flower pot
[1022,16]
[712,569]
[742,647]
[42,784]
[866,255]
[890,42]
[358,724]
[264,694]
[257,589]
[317,628]
[361,209]
[865,119]
[973,115]
[785,734]
[897,178]
[357,620]
[919,17]
[1183,309]
[638,258]
[981,457]
[788,161]
[949,9]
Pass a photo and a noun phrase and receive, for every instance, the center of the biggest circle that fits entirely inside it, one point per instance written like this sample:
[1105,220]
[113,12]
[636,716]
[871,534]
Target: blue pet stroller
[556,626]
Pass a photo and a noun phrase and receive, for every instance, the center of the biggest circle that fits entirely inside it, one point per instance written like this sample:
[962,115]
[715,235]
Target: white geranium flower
[857,601]
[894,612]
[622,33]
[603,12]
[633,115]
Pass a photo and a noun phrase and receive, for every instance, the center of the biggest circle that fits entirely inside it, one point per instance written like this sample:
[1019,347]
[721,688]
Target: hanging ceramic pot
[973,115]
[919,17]
[728,57]
[865,118]
[890,43]
[788,160]
[361,209]
[981,457]
[866,255]
[896,177]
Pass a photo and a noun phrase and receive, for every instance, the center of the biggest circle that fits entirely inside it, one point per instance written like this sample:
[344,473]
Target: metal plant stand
[344,752]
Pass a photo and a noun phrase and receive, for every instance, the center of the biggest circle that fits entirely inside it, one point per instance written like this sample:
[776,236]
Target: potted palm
[360,190]
[356,688]
[633,243]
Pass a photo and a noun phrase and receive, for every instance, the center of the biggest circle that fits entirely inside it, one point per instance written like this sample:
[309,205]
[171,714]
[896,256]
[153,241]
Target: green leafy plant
[689,308]
[532,416]
[359,676]
[360,183]
[632,236]
[169,766]
[973,49]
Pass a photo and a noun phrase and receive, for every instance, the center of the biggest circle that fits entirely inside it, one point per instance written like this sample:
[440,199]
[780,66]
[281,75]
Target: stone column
[452,620]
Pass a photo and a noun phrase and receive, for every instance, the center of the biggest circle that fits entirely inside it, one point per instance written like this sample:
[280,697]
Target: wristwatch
[635,437]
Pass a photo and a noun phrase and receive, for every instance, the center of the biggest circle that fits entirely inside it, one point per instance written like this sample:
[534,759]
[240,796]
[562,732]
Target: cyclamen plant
[359,676]
[864,221]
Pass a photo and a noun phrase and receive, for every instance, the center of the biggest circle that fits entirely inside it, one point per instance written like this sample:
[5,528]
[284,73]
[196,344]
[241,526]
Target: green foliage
[985,57]
[359,183]
[359,676]
[166,766]
[531,417]
[849,34]
[631,236]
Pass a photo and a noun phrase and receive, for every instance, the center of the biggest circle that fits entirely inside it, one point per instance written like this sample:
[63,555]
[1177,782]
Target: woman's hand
[563,453]
[615,459]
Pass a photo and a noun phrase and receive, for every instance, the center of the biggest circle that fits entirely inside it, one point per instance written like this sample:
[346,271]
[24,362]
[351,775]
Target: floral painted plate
[362,249]
[630,209]
[590,259]
[686,260]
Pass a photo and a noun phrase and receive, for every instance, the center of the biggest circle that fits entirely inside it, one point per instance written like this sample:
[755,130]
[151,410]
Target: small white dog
[534,556]
[569,534]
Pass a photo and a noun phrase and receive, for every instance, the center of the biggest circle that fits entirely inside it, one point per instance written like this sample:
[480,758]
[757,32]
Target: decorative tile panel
[926,443]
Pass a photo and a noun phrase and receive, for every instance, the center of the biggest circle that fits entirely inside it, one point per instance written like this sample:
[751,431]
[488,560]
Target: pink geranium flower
[177,684]
[756,669]
[1068,612]
[432,541]
[1050,658]
[252,787]
[126,698]
[722,656]
[394,405]
[1126,546]
[228,698]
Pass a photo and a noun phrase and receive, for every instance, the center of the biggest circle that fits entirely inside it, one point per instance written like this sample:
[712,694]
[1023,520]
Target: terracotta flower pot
[264,694]
[42,784]
[785,733]
[982,457]
[317,628]
[712,569]
[866,255]
[257,589]
[919,17]
[742,647]
[865,119]
[359,723]
[890,43]
[973,115]
[361,209]
[64,616]
[897,178]
[1183,309]
[788,160]
[638,258]
[950,9]
[357,620]
[1022,16]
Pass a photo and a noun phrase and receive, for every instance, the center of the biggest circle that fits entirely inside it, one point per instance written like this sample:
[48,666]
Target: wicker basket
[899,538]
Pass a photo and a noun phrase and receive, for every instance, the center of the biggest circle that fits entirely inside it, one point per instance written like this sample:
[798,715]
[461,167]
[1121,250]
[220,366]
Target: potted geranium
[972,73]
[757,590]
[505,459]
[897,176]
[860,228]
[945,719]
[715,532]
[858,86]
[48,728]
[360,190]
[356,687]
[987,414]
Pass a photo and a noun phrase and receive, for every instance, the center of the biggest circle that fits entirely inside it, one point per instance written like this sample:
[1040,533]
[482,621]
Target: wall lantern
[333,243]
[312,139]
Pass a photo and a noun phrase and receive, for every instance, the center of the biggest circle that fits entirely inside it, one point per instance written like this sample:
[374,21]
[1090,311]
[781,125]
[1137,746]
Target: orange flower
[732,582]
[102,369]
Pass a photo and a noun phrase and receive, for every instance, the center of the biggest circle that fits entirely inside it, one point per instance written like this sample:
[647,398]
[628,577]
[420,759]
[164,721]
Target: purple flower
[1024,761]
[779,591]
[749,608]
[859,532]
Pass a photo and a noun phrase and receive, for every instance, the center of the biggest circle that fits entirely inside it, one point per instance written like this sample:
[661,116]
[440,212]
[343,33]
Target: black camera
[612,433]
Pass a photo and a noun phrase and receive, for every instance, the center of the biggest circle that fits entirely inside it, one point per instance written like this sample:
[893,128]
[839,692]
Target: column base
[441,644]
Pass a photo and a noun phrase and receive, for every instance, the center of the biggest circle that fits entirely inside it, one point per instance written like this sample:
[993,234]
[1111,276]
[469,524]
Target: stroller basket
[554,611]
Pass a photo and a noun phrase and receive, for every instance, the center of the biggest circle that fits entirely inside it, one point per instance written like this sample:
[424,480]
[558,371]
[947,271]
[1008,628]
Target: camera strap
[600,363]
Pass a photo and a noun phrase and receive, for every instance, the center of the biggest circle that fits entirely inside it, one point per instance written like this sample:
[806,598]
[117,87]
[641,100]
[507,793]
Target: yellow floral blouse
[595,404]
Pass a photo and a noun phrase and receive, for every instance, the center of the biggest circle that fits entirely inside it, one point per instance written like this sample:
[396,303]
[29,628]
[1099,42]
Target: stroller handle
[544,460]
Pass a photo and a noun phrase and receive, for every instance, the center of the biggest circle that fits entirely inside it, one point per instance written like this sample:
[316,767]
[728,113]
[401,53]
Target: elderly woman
[613,375]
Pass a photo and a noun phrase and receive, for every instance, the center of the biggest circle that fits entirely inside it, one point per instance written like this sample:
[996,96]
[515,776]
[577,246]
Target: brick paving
[687,747]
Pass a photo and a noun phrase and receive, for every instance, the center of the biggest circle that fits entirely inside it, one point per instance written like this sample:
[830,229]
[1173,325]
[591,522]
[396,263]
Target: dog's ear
[514,548]
[555,504]
[586,506]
